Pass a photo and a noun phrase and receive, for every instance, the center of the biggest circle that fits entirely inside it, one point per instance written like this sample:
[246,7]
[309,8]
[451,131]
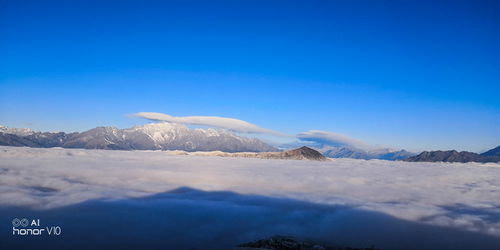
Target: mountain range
[173,136]
[351,152]
[492,155]
[154,136]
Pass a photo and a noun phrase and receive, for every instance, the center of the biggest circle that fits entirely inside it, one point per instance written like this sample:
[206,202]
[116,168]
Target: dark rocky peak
[306,153]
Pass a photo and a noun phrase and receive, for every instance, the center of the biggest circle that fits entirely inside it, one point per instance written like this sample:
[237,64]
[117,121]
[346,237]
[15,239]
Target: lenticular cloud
[232,124]
[331,138]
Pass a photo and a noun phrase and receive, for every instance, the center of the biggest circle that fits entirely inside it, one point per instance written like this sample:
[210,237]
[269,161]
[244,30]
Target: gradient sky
[409,74]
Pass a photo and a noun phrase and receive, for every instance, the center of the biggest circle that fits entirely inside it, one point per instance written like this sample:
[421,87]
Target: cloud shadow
[187,218]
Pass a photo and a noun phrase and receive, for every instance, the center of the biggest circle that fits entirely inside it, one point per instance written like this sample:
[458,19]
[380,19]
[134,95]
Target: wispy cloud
[335,139]
[231,124]
[236,125]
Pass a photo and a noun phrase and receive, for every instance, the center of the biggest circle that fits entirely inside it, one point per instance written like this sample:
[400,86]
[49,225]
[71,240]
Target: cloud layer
[231,124]
[333,139]
[186,218]
[452,195]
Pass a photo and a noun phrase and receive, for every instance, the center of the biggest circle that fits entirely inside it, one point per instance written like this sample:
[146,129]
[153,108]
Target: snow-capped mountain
[154,136]
[344,151]
[350,152]
[16,131]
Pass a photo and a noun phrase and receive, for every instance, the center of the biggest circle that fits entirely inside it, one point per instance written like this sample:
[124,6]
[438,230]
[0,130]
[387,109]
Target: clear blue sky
[410,74]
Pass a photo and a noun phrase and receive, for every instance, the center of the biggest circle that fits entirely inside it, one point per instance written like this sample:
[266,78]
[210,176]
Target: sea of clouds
[202,201]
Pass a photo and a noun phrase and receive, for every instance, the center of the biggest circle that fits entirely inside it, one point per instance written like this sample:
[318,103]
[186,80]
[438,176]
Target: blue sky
[409,74]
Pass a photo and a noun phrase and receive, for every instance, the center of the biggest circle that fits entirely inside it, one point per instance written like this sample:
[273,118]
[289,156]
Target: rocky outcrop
[303,153]
[290,243]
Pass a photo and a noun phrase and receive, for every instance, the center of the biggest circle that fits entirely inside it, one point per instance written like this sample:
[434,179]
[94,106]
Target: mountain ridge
[452,156]
[302,153]
[383,154]
[153,136]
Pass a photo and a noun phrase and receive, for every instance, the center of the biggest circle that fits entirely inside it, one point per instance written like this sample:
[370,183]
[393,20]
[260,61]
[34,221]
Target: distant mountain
[154,136]
[452,156]
[492,152]
[15,140]
[350,152]
[302,153]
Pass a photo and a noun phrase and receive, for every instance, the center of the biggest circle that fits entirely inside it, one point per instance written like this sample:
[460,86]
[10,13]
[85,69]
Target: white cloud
[231,124]
[331,138]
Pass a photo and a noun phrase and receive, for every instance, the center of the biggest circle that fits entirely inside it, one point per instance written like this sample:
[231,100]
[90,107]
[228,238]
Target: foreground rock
[289,243]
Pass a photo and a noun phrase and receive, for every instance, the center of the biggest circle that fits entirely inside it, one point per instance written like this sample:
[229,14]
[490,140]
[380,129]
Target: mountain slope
[15,140]
[492,152]
[155,136]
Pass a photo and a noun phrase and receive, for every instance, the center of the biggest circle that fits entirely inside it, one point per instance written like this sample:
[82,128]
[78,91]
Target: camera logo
[23,226]
[20,222]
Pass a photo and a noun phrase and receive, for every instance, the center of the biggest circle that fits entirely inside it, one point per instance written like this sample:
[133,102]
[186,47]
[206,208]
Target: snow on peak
[160,132]
[16,131]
